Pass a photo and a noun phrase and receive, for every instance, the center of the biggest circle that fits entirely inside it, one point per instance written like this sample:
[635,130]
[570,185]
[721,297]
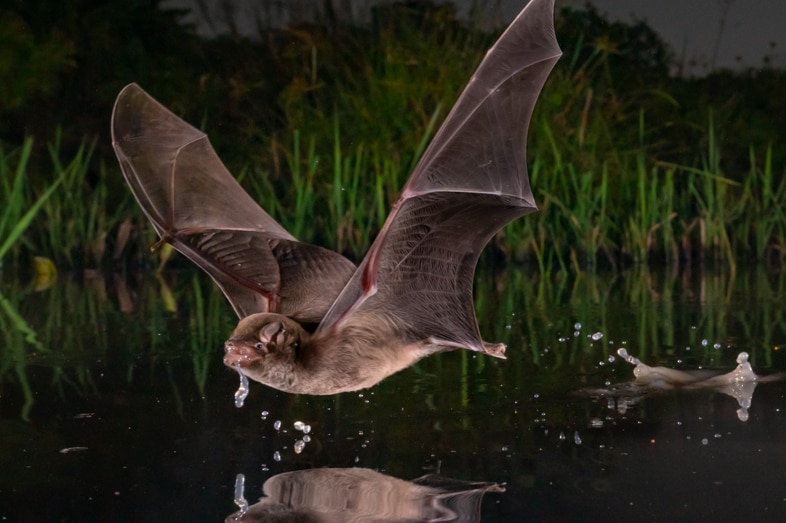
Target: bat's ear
[270,331]
[281,334]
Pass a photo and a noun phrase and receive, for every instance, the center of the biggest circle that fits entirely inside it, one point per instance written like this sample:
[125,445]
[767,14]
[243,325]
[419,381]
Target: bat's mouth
[239,355]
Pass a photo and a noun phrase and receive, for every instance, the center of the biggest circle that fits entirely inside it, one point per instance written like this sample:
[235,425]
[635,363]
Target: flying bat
[311,322]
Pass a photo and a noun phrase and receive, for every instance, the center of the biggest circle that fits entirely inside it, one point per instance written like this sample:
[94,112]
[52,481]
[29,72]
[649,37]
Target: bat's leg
[494,349]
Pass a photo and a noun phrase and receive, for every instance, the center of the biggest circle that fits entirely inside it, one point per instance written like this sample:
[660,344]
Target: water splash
[242,391]
[627,357]
[739,383]
[240,500]
[744,371]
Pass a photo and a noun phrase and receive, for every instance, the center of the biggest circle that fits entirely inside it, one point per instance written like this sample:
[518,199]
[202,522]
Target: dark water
[114,406]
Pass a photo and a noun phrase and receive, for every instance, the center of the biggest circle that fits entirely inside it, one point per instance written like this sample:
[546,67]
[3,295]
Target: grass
[629,209]
[18,211]
[622,171]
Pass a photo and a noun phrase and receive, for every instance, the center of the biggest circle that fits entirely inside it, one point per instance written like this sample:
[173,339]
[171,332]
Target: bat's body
[412,294]
[356,357]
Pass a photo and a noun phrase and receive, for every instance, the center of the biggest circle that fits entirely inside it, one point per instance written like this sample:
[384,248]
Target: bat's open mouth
[239,355]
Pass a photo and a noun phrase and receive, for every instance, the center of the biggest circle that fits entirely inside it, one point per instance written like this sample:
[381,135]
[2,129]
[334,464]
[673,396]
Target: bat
[311,322]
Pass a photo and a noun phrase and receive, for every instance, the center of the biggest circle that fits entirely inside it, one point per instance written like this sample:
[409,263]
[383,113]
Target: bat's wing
[471,181]
[195,204]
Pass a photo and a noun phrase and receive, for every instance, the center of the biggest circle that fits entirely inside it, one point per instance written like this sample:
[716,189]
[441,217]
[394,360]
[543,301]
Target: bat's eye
[261,347]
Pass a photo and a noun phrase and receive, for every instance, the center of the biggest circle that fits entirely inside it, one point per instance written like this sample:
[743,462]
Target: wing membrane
[470,182]
[195,204]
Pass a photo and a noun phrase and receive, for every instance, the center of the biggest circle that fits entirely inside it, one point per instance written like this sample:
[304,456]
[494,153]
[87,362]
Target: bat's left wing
[471,181]
[195,204]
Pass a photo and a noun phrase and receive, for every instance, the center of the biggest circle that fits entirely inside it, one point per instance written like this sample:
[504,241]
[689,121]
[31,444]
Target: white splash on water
[627,357]
[738,383]
[240,499]
[242,391]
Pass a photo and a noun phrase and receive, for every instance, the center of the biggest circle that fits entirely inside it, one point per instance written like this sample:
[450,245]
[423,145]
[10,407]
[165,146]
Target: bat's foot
[494,349]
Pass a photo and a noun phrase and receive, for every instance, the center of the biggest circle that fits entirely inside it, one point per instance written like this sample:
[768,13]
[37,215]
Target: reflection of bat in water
[329,495]
[412,294]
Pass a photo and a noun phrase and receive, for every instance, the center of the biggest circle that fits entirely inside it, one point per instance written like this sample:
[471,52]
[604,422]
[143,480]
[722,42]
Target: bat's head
[264,347]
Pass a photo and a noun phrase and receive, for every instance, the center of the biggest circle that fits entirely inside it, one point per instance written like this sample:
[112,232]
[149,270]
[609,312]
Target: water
[115,406]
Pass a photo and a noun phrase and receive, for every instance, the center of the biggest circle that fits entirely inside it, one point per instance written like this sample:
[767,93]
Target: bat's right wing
[470,182]
[195,204]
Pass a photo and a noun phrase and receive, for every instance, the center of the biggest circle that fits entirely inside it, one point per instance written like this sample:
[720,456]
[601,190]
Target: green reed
[79,220]
[763,194]
[630,206]
[18,211]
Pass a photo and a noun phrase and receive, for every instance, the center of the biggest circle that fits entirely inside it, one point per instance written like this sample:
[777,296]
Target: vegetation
[630,163]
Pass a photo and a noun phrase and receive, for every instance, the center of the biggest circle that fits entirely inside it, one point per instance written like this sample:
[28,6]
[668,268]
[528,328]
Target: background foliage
[323,123]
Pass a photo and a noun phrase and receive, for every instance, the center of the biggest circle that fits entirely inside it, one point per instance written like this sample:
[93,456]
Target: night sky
[703,34]
[693,29]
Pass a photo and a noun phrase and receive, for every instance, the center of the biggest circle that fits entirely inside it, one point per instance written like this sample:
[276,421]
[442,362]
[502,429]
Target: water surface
[115,406]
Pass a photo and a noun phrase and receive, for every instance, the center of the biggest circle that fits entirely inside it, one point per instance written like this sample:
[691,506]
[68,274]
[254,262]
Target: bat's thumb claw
[494,349]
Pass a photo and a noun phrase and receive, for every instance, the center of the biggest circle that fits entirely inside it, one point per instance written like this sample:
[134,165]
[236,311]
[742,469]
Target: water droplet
[716,346]
[562,436]
[277,424]
[577,325]
[597,335]
[612,358]
[276,456]
[704,342]
[242,391]
[265,414]
[306,429]
[307,438]
[240,487]
[576,438]
[704,441]
[299,425]
[299,446]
